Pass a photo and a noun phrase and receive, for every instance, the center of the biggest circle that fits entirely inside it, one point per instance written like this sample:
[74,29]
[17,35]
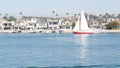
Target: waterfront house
[31,24]
[65,25]
[42,24]
[5,25]
[53,24]
[19,26]
[95,24]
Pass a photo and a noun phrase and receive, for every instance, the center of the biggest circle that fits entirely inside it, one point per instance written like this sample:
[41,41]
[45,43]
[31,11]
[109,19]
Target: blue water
[60,51]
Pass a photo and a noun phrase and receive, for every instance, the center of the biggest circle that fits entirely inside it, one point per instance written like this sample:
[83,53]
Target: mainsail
[83,21]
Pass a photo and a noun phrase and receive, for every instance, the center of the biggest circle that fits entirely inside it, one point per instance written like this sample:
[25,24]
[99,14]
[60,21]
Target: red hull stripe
[83,32]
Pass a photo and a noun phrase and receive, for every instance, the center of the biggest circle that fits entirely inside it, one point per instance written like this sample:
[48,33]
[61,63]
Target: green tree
[118,15]
[73,25]
[106,15]
[78,14]
[11,18]
[113,15]
[24,17]
[100,16]
[94,17]
[112,25]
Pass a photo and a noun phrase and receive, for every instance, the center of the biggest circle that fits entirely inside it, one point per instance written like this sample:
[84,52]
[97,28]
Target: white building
[41,24]
[95,25]
[53,24]
[7,25]
[65,25]
[31,24]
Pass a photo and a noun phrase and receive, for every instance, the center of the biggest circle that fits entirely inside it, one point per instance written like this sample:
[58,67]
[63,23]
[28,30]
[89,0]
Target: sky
[61,7]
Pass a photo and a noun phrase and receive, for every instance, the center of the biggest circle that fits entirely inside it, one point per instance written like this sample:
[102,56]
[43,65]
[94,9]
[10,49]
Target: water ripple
[91,66]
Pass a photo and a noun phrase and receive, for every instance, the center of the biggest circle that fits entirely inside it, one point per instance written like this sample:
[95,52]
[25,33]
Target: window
[55,23]
[5,24]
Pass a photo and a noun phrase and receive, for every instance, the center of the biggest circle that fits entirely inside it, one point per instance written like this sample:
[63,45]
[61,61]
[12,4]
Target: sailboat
[81,26]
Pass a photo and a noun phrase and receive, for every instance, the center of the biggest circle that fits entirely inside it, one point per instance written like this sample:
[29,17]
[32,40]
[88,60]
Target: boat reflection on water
[82,41]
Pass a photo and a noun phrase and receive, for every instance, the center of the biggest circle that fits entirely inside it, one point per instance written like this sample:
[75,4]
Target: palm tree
[67,14]
[53,12]
[20,13]
[56,14]
[5,17]
[100,15]
[106,15]
[75,15]
[6,14]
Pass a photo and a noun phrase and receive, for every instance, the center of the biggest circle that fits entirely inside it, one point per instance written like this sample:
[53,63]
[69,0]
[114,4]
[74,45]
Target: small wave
[92,66]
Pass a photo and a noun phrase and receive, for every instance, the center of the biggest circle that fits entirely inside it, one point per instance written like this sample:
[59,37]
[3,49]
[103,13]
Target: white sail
[81,26]
[84,24]
[77,25]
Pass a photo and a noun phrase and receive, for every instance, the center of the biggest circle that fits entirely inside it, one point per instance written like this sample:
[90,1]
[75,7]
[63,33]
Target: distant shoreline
[51,31]
[112,31]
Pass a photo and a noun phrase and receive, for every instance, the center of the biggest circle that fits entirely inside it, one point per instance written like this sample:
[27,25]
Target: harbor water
[60,50]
